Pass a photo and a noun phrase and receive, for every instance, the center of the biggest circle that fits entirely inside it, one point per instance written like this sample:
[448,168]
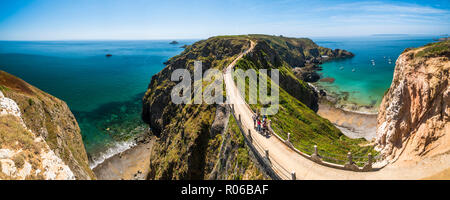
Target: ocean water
[103,93]
[363,79]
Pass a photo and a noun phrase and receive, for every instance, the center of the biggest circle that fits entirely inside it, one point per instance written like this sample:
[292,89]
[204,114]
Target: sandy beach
[132,164]
[352,124]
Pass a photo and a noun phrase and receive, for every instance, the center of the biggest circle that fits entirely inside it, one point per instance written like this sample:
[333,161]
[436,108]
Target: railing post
[289,137]
[350,158]
[350,164]
[267,154]
[293,175]
[315,156]
[250,135]
[240,121]
[368,166]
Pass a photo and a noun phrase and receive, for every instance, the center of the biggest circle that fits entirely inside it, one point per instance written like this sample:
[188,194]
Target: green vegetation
[214,52]
[286,42]
[31,102]
[3,89]
[435,50]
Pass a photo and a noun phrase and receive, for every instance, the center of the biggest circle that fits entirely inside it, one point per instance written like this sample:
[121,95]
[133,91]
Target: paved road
[286,160]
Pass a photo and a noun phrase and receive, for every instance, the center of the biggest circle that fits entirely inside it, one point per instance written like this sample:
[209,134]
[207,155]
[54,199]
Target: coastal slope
[192,136]
[39,137]
[413,119]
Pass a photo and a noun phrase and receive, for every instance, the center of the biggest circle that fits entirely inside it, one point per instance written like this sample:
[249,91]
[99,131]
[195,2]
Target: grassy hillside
[190,136]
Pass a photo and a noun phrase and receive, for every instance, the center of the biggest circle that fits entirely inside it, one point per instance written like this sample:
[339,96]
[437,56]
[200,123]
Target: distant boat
[341,68]
[173,42]
[108,55]
[353,70]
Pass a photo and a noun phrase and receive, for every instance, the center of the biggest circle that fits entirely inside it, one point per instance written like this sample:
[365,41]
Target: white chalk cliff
[19,160]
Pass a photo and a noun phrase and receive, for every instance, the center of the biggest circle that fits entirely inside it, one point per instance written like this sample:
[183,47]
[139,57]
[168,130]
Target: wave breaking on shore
[116,148]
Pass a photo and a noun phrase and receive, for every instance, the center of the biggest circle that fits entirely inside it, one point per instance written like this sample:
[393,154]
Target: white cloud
[375,6]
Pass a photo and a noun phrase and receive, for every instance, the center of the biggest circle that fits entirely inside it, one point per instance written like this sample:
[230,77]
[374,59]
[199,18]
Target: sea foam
[117,148]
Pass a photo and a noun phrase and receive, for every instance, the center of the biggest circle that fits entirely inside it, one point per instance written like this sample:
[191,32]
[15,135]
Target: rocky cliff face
[273,54]
[194,141]
[413,120]
[189,134]
[39,137]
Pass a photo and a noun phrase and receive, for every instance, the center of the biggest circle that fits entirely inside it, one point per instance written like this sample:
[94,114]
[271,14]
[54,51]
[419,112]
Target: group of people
[261,123]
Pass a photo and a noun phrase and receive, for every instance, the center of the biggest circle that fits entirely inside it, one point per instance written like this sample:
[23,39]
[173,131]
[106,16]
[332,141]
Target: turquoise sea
[103,93]
[363,79]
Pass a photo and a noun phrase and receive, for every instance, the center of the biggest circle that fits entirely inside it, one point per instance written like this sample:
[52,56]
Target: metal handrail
[334,160]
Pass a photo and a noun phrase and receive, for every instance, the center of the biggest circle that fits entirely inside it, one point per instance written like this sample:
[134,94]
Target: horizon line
[181,38]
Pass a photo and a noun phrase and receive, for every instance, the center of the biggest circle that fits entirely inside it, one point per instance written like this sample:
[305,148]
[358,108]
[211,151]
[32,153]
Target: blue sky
[166,19]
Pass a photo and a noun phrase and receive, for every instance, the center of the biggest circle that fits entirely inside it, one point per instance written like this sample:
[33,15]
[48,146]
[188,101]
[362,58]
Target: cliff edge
[413,120]
[39,136]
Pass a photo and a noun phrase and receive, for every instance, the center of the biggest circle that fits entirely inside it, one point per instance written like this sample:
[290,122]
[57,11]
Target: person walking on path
[259,126]
[264,127]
